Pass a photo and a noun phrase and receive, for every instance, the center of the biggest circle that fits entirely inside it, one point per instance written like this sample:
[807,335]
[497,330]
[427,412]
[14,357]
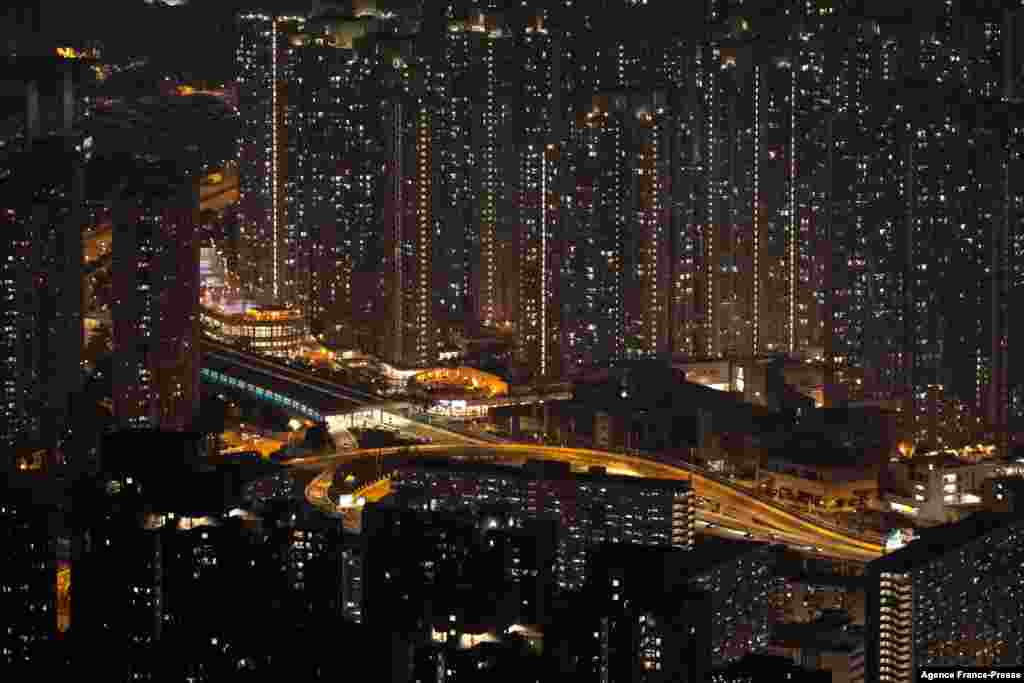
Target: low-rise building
[830,644]
[812,472]
[645,406]
[936,489]
[276,331]
[590,507]
[757,668]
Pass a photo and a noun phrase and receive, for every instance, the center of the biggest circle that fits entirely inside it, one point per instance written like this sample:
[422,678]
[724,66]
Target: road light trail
[771,521]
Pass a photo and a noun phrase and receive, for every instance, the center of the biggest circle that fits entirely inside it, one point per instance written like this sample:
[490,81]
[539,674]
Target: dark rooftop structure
[831,633]
[665,566]
[935,542]
[161,465]
[653,384]
[768,668]
[18,71]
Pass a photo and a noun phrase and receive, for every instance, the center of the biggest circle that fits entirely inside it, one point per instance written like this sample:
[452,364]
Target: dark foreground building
[953,597]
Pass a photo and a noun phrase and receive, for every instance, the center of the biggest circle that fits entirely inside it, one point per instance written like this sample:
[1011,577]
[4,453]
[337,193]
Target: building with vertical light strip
[653,170]
[155,311]
[268,197]
[809,212]
[490,178]
[771,228]
[708,66]
[488,46]
[728,87]
[409,235]
[617,230]
[539,331]
[291,235]
[467,124]
[423,333]
[254,61]
[596,232]
[685,261]
[749,211]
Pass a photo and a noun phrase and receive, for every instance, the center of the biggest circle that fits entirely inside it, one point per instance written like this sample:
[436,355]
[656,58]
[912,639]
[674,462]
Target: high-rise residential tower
[540,184]
[268,178]
[42,212]
[156,299]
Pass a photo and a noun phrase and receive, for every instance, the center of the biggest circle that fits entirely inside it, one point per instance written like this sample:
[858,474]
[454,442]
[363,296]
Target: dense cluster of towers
[825,181]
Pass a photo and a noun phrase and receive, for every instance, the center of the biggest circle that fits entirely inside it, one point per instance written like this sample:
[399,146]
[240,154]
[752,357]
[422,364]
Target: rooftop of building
[711,551]
[156,178]
[936,542]
[708,553]
[654,386]
[971,454]
[198,130]
[43,69]
[541,469]
[38,488]
[769,667]
[245,311]
[831,633]
[167,463]
[814,450]
[480,608]
[53,160]
[298,514]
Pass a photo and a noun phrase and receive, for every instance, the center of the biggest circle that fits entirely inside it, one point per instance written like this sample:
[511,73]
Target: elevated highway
[742,513]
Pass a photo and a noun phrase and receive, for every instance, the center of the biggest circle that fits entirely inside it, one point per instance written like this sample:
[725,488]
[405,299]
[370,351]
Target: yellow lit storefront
[463,379]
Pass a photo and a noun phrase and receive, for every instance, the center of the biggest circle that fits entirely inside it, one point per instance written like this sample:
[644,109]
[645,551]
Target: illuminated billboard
[898,538]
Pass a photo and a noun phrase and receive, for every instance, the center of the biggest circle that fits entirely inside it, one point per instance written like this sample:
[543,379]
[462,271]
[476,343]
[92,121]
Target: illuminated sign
[898,538]
[905,509]
[68,53]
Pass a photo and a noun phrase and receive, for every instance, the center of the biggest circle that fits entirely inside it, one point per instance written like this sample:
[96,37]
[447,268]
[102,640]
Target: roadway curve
[743,509]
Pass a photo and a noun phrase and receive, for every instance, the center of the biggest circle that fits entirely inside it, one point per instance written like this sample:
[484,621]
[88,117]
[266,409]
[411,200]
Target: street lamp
[293,426]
